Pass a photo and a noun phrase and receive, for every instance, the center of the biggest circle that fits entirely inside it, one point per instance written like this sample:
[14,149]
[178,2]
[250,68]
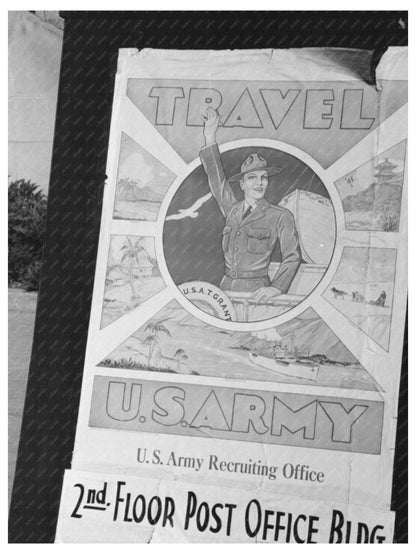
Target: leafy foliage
[390,221]
[27,217]
[31,276]
[129,363]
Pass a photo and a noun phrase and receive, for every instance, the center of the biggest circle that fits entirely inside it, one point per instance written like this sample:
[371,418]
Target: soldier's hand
[211,121]
[264,294]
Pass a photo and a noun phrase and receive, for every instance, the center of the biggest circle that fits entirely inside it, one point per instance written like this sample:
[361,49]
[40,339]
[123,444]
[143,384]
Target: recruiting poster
[246,331]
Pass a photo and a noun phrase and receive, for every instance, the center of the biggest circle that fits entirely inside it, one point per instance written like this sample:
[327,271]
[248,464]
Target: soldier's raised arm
[211,161]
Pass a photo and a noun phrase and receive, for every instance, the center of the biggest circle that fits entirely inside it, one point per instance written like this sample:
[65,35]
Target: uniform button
[235,263]
[235,249]
[238,232]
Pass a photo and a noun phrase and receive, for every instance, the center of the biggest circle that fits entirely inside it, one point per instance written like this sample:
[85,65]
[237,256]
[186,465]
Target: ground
[373,320]
[22,307]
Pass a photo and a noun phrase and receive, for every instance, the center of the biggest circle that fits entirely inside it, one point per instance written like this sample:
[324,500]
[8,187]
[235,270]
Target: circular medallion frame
[316,292]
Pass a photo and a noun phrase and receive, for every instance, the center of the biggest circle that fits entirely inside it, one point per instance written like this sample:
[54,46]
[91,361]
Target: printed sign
[127,509]
[237,414]
[248,311]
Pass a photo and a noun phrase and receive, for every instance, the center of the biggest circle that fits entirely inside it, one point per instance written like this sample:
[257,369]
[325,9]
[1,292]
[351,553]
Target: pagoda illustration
[386,173]
[374,200]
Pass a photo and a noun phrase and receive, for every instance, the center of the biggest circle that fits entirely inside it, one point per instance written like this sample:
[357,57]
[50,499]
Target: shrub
[31,276]
[129,363]
[390,221]
[27,216]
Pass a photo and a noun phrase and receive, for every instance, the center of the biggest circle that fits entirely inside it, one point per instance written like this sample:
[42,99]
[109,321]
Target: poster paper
[247,320]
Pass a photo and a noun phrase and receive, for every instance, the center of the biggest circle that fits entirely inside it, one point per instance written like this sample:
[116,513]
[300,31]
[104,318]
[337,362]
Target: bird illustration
[350,178]
[192,211]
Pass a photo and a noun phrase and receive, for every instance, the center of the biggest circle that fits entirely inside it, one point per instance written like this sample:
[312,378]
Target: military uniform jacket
[248,244]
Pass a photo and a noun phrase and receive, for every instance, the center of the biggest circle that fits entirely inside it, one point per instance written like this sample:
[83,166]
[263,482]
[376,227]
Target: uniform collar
[257,212]
[262,203]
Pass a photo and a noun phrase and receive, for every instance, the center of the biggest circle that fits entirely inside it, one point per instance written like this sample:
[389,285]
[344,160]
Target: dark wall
[90,49]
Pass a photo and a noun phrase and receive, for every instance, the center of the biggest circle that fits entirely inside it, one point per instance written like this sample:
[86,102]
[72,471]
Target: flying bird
[192,211]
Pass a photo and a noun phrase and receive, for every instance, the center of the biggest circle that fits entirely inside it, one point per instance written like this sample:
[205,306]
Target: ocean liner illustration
[286,360]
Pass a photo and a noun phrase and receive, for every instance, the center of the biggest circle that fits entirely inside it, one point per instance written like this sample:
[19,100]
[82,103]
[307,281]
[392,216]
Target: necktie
[247,212]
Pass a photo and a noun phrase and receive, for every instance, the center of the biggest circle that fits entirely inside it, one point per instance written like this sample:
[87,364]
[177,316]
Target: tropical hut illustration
[136,259]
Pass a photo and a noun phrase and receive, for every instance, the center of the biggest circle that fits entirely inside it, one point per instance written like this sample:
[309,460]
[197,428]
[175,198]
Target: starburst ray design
[387,134]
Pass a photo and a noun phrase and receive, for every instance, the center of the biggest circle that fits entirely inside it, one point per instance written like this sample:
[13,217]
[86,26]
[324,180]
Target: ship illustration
[312,211]
[288,361]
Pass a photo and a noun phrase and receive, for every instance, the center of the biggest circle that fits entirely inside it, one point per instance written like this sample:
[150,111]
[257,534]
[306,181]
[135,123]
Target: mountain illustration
[130,190]
[308,334]
[376,197]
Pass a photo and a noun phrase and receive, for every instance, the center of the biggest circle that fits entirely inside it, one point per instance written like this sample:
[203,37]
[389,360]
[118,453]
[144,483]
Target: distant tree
[157,327]
[153,330]
[390,221]
[180,357]
[130,257]
[151,341]
[125,183]
[26,229]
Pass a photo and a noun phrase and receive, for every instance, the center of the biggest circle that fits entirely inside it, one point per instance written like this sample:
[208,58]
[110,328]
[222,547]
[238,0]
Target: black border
[90,49]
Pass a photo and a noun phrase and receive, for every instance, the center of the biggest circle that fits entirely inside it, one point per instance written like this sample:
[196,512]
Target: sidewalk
[22,307]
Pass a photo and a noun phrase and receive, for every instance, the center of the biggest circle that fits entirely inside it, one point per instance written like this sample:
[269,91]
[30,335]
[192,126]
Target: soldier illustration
[253,227]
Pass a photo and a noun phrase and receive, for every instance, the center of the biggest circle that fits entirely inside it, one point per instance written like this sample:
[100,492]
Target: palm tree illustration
[151,341]
[180,357]
[131,255]
[153,330]
[126,183]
